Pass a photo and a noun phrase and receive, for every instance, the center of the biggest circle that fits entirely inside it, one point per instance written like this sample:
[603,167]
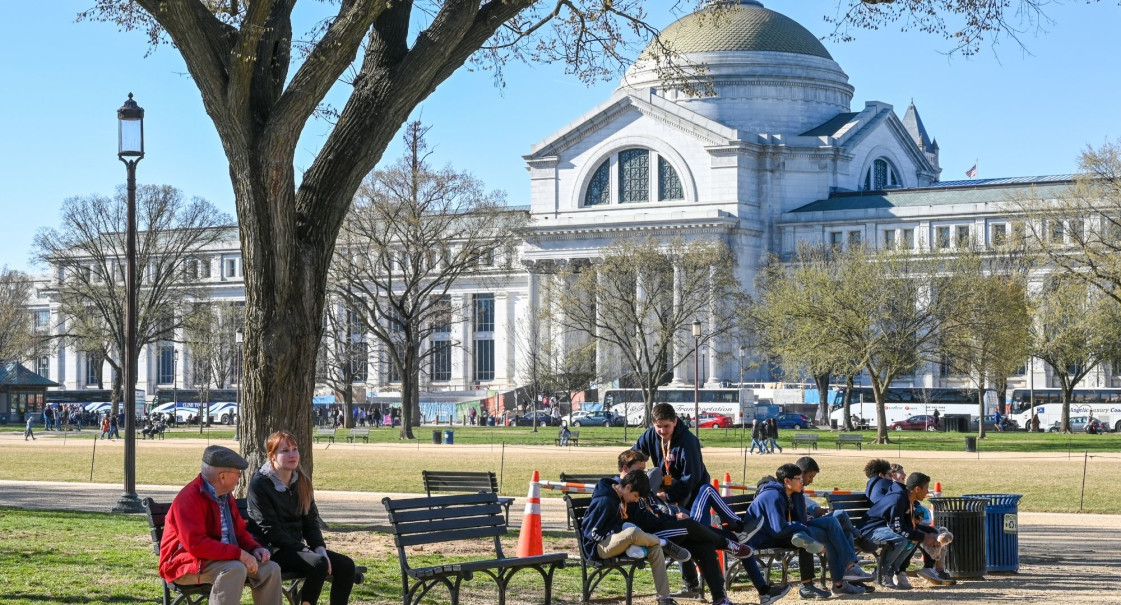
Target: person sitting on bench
[783,508]
[836,532]
[891,523]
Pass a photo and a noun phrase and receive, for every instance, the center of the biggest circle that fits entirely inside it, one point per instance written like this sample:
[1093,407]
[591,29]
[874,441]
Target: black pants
[927,560]
[702,542]
[805,559]
[314,568]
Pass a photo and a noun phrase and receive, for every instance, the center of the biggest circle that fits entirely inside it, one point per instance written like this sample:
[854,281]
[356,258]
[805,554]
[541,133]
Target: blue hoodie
[779,514]
[876,488]
[686,466]
[603,516]
[893,511]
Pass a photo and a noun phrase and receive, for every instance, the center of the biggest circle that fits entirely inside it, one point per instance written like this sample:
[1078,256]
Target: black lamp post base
[128,503]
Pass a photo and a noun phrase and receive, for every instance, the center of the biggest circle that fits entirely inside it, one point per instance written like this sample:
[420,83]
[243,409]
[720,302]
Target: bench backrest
[359,431]
[324,431]
[805,436]
[591,478]
[577,506]
[850,437]
[856,505]
[459,481]
[438,519]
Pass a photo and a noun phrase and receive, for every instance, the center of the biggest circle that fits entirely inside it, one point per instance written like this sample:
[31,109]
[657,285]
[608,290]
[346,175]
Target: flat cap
[223,457]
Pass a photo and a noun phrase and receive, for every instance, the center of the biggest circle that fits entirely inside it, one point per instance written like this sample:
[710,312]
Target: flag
[972,172]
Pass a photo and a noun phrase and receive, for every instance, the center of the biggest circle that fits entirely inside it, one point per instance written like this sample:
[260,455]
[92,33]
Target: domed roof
[744,25]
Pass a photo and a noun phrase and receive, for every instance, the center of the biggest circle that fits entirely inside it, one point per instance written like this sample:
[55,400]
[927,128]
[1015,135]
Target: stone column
[504,337]
[678,350]
[715,376]
[461,335]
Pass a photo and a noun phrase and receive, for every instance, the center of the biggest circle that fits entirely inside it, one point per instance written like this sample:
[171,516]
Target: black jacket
[686,467]
[604,516]
[893,511]
[275,519]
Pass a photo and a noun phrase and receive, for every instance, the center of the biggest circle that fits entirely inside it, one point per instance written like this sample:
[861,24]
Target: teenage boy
[836,532]
[933,569]
[685,481]
[891,524]
[702,542]
[782,506]
[878,472]
[609,529]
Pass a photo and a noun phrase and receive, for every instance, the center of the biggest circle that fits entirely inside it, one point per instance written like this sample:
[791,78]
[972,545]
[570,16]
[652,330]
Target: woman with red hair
[282,505]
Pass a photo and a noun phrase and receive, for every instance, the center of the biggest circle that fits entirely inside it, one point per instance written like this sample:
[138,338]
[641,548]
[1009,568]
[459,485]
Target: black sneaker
[809,591]
[688,592]
[751,526]
[774,593]
[675,552]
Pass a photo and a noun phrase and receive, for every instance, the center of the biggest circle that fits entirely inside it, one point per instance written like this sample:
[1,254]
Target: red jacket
[192,533]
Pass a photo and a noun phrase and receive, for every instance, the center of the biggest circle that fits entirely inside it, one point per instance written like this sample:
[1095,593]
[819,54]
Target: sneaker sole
[807,544]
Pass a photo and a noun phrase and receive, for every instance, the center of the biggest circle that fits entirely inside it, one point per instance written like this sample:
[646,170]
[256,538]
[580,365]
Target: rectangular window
[1056,232]
[942,237]
[359,366]
[93,369]
[391,370]
[484,360]
[889,239]
[484,312]
[43,367]
[961,239]
[42,319]
[1000,234]
[442,315]
[908,239]
[855,237]
[836,238]
[165,363]
[440,362]
[231,267]
[1076,229]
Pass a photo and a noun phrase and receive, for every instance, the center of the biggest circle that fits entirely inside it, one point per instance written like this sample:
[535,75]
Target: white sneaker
[928,574]
[901,581]
[635,551]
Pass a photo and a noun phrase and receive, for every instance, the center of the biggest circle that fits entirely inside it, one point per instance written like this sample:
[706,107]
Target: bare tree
[86,254]
[344,355]
[17,334]
[553,361]
[413,233]
[640,299]
[210,331]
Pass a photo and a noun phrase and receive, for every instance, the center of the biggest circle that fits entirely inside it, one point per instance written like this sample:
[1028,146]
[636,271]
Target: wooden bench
[593,571]
[192,594]
[464,482]
[328,433]
[850,439]
[355,434]
[807,439]
[573,438]
[585,478]
[443,519]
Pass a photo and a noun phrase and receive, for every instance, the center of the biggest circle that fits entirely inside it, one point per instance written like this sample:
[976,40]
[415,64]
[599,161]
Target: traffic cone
[529,540]
[938,489]
[727,491]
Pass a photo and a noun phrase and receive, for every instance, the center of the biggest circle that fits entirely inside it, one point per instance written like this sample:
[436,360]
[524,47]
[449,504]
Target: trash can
[1002,531]
[436,437]
[965,518]
[449,437]
[971,444]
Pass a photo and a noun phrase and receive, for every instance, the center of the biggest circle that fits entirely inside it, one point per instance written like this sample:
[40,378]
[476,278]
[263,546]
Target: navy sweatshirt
[686,466]
[604,516]
[876,488]
[892,511]
[779,514]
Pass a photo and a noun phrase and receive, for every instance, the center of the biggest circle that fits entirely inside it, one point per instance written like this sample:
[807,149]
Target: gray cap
[223,457]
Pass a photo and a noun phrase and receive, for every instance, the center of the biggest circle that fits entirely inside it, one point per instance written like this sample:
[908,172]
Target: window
[855,238]
[836,239]
[43,367]
[42,319]
[961,239]
[359,368]
[196,269]
[484,312]
[889,239]
[93,369]
[908,239]
[392,373]
[484,360]
[1075,229]
[440,361]
[231,267]
[1056,232]
[1000,234]
[165,363]
[881,175]
[629,172]
[442,315]
[942,237]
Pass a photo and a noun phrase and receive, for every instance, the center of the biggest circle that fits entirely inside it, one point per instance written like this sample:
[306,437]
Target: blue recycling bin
[1002,531]
[449,437]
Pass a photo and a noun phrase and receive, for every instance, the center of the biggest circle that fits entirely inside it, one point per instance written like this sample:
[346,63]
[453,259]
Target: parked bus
[1104,404]
[88,397]
[738,404]
[902,403]
[185,403]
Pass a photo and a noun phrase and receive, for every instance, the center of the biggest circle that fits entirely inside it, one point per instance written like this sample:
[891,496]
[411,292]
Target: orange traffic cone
[529,540]
[727,491]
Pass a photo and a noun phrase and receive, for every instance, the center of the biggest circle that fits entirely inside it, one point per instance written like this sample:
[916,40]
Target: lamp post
[742,349]
[130,150]
[239,336]
[696,376]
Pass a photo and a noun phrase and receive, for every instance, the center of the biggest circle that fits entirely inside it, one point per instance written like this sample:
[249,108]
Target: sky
[1012,111]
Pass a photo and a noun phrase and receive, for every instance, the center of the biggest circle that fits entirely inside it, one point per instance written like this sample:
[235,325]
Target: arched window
[881,175]
[629,170]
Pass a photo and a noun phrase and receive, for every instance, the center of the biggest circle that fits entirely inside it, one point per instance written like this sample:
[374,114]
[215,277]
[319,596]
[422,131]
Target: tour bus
[185,403]
[94,400]
[738,404]
[1104,404]
[902,403]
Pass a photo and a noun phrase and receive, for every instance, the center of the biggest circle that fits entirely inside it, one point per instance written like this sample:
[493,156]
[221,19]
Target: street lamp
[239,336]
[696,377]
[130,150]
[742,349]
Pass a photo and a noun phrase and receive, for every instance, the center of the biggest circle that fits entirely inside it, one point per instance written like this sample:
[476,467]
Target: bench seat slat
[448,536]
[435,525]
[447,512]
[428,502]
[515,562]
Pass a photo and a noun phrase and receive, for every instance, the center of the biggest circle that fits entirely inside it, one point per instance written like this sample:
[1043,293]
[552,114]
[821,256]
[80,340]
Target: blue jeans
[756,443]
[838,546]
[897,549]
[772,443]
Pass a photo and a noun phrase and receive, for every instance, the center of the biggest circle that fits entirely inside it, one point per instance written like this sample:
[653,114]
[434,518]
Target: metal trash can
[436,437]
[971,444]
[1002,531]
[965,518]
[449,437]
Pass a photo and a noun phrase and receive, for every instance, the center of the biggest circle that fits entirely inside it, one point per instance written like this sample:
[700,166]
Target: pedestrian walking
[27,432]
[772,436]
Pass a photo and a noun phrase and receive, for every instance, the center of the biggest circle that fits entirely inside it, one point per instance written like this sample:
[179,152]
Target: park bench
[768,558]
[850,439]
[192,594]
[470,517]
[464,482]
[593,571]
[328,433]
[807,439]
[573,438]
[855,504]
[586,478]
[355,434]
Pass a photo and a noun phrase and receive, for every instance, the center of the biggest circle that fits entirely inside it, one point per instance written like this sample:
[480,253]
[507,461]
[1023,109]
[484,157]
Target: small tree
[641,297]
[413,233]
[17,335]
[345,356]
[553,362]
[210,331]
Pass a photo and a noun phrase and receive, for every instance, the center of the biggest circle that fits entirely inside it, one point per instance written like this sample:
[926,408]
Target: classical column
[715,376]
[461,334]
[503,338]
[601,345]
[677,348]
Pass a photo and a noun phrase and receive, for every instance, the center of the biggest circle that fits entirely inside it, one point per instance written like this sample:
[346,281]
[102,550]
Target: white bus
[902,403]
[738,404]
[1105,404]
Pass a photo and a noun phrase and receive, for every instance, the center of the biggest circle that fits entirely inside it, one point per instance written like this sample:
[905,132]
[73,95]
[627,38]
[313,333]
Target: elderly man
[205,540]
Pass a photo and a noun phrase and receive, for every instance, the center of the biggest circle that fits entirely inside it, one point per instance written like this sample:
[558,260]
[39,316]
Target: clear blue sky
[1017,114]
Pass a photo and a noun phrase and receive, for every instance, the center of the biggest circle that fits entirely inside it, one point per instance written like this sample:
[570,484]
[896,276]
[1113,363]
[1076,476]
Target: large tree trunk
[981,408]
[822,382]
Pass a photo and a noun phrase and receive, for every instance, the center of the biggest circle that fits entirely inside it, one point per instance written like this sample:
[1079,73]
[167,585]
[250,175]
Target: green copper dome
[741,25]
